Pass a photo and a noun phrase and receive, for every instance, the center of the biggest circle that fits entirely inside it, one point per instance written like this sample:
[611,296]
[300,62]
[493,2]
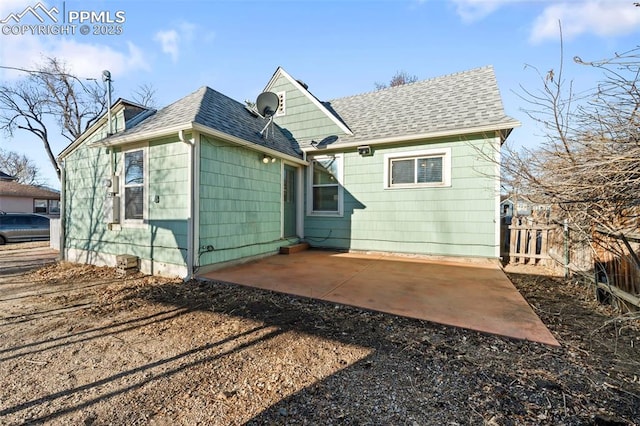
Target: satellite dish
[267,103]
[106,75]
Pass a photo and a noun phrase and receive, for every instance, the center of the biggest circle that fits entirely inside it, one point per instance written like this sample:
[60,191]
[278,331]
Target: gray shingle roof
[465,100]
[210,108]
[4,176]
[15,189]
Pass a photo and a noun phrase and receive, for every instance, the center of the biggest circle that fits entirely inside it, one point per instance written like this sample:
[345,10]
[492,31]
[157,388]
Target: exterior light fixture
[365,151]
[266,159]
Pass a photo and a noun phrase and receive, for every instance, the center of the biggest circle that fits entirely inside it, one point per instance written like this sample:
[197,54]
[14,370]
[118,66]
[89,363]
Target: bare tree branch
[21,167]
[145,95]
[51,91]
[589,162]
[399,78]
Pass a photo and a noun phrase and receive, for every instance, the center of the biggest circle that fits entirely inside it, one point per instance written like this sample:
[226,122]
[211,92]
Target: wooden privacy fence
[611,261]
[526,243]
[547,245]
[617,265]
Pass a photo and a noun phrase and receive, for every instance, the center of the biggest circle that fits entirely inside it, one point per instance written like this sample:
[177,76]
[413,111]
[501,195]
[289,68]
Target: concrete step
[294,248]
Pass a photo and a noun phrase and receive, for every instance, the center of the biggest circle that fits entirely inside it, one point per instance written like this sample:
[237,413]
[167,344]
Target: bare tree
[145,95]
[21,167]
[589,162]
[400,78]
[51,92]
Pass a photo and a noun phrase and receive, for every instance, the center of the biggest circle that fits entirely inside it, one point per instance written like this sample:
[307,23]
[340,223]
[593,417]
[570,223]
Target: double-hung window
[325,181]
[428,168]
[134,185]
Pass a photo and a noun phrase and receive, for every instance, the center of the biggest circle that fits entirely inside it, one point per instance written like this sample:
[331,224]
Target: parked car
[16,227]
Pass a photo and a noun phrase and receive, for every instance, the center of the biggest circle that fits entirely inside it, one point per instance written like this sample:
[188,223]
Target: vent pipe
[106,78]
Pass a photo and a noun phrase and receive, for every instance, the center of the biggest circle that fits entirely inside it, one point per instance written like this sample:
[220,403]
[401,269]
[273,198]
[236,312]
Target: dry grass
[83,346]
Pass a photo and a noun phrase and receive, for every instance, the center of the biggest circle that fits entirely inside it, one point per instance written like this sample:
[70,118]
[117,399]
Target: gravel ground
[81,345]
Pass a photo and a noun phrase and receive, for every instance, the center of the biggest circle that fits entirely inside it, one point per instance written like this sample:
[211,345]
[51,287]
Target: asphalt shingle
[212,109]
[454,103]
[464,100]
[15,189]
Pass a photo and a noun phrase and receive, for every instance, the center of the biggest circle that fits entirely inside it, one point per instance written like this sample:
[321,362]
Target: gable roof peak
[304,89]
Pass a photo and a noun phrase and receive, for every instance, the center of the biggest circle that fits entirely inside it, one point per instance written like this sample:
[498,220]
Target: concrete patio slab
[474,296]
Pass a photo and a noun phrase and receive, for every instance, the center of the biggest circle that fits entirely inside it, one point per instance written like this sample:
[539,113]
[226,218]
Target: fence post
[566,248]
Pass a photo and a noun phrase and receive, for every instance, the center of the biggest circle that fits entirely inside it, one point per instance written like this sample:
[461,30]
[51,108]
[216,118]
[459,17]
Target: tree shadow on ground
[450,369]
[406,370]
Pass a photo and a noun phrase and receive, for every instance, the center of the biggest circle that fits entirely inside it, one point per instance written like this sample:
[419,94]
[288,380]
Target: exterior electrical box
[112,184]
[115,184]
[112,209]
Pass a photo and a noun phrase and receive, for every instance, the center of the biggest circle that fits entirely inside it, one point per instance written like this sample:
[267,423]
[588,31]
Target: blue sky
[339,48]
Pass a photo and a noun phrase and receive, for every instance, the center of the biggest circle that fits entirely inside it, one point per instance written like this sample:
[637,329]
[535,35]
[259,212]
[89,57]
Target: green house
[207,181]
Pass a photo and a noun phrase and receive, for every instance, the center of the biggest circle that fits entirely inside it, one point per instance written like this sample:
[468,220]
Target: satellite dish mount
[267,104]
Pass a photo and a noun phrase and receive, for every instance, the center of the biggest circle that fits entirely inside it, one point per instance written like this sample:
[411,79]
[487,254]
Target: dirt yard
[80,345]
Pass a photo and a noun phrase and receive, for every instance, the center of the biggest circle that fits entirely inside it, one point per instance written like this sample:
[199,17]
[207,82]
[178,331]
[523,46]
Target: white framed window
[40,206]
[134,185]
[324,181]
[51,207]
[54,207]
[418,169]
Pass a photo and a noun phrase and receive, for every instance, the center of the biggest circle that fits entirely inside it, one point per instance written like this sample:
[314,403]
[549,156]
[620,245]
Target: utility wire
[54,74]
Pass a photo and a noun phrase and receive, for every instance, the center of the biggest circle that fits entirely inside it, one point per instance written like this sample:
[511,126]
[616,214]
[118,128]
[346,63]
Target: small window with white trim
[416,169]
[135,185]
[325,186]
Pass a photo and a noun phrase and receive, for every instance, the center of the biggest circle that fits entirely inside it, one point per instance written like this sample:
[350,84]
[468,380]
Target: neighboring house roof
[15,189]
[461,103]
[213,110]
[4,176]
[516,198]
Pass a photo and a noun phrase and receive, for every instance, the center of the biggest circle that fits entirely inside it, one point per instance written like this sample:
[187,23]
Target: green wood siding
[240,203]
[304,120]
[163,237]
[455,221]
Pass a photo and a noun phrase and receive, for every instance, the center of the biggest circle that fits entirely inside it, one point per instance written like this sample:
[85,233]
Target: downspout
[63,209]
[191,205]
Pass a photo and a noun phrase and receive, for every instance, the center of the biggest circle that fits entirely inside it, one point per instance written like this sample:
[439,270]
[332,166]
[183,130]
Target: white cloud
[85,58]
[82,59]
[88,59]
[169,43]
[174,41]
[475,10]
[603,18]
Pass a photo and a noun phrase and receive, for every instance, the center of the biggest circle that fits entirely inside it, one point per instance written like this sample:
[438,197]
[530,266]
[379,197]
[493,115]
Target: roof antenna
[267,105]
